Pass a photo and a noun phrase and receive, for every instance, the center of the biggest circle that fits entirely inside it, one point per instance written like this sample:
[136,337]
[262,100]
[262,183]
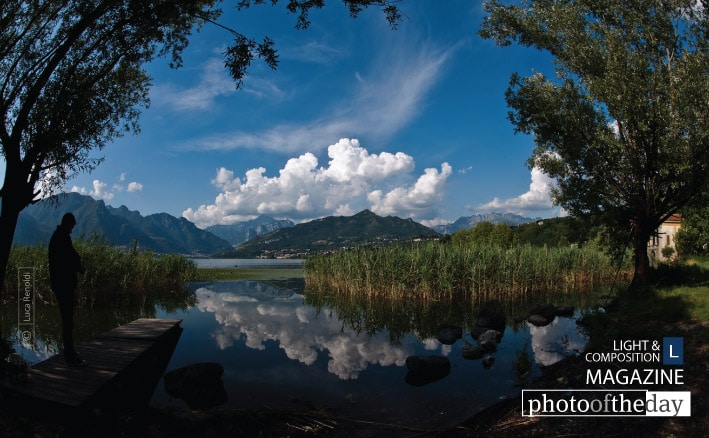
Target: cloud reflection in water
[299,329]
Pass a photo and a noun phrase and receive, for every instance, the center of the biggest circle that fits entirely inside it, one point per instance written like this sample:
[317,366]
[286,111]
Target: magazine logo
[673,351]
[605,403]
[631,362]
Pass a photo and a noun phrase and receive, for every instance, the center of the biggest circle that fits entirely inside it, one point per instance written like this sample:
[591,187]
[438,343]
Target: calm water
[279,350]
[285,348]
[249,263]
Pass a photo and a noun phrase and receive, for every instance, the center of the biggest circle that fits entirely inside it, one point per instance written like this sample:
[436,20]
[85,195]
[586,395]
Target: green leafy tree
[624,127]
[693,236]
[485,233]
[72,79]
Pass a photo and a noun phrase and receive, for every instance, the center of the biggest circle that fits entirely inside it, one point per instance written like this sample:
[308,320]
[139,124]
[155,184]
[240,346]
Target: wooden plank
[149,329]
[106,357]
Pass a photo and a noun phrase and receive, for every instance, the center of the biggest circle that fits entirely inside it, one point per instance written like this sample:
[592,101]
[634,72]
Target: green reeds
[441,271]
[112,275]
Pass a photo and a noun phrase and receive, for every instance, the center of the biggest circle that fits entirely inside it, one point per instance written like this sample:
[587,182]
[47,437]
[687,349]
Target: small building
[663,238]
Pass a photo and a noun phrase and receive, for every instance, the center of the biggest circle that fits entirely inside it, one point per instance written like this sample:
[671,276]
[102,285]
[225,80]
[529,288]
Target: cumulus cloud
[353,179]
[415,201]
[537,198]
[134,187]
[100,190]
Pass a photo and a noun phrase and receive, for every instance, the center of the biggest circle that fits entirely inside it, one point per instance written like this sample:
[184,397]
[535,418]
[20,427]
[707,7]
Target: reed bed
[113,276]
[443,271]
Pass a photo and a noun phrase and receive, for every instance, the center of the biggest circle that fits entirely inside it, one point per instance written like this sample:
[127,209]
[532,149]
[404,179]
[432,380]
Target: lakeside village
[658,246]
[301,253]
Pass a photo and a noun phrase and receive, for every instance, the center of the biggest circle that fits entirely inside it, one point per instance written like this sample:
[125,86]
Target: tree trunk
[641,274]
[17,193]
[8,222]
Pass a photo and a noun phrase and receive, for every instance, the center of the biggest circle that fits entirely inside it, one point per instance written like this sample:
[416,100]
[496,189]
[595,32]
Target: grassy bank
[434,270]
[676,306]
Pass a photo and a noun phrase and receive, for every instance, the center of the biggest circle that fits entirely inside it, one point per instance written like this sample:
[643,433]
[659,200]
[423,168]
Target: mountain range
[161,232]
[239,232]
[261,237]
[330,233]
[465,222]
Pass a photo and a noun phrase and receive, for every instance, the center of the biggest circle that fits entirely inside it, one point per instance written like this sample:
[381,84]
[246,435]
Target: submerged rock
[448,334]
[473,353]
[490,336]
[538,320]
[492,316]
[199,385]
[548,311]
[426,369]
[565,311]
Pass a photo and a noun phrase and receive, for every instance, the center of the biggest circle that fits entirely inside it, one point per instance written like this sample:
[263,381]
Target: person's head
[68,221]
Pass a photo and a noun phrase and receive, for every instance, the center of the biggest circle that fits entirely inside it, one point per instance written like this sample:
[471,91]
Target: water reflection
[302,331]
[284,347]
[89,321]
[556,341]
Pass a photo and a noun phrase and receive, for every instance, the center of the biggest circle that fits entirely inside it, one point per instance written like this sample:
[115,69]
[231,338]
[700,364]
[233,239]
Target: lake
[285,348]
[249,263]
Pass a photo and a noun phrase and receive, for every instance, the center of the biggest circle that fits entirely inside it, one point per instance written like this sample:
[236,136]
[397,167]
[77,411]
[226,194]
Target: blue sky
[409,122]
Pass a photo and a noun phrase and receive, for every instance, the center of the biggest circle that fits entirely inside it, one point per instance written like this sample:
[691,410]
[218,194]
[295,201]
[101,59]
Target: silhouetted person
[64,265]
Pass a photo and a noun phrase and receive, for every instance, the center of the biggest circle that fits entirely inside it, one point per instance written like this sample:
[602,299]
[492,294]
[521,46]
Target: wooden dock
[107,356]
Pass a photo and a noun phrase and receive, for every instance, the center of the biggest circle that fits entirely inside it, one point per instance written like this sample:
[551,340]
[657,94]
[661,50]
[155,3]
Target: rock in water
[448,334]
[426,369]
[492,316]
[538,320]
[199,385]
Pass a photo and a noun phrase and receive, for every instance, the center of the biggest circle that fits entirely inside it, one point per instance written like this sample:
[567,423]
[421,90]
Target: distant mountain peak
[465,222]
[160,232]
[332,232]
[240,232]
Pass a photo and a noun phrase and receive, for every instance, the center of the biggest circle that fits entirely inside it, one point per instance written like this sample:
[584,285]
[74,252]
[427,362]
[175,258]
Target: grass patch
[694,299]
[222,274]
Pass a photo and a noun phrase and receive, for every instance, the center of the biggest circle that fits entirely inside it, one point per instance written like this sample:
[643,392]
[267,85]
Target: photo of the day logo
[673,351]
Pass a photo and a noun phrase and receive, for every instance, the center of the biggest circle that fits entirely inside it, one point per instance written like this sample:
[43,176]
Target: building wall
[665,237]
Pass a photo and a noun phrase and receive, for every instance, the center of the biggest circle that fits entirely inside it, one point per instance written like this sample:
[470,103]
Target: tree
[693,236]
[624,128]
[485,233]
[72,80]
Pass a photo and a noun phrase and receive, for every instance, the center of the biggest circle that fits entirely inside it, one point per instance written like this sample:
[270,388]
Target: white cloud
[79,190]
[134,187]
[419,201]
[537,198]
[353,180]
[213,82]
[383,101]
[315,52]
[100,190]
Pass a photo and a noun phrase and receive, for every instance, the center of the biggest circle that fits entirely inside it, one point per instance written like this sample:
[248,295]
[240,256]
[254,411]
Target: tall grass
[442,271]
[112,275]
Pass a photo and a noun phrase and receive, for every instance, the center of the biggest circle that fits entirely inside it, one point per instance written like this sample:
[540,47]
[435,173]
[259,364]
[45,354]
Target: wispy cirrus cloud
[213,82]
[382,101]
